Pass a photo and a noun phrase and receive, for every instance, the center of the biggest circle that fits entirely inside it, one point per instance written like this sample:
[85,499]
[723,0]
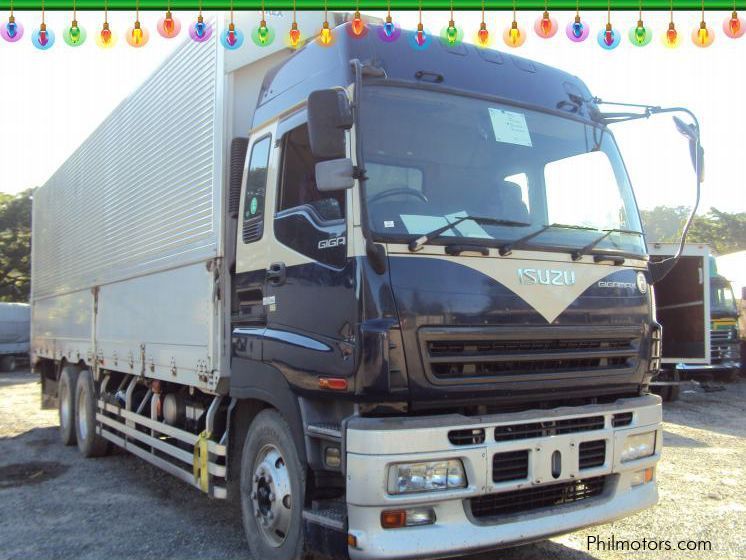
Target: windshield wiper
[416,244]
[507,248]
[607,232]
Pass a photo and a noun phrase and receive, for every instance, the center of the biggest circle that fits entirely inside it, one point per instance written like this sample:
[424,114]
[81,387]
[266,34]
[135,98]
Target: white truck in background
[15,326]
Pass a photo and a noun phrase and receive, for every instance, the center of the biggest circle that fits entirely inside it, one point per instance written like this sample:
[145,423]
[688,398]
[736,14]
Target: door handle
[276,274]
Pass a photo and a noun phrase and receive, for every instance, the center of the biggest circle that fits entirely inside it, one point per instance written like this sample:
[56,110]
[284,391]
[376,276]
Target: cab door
[310,282]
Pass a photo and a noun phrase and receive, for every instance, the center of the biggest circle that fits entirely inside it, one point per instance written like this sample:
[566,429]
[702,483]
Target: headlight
[638,446]
[431,476]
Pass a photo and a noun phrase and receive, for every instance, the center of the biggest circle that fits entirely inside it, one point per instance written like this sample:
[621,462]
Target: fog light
[333,457]
[642,477]
[638,446]
[431,476]
[397,518]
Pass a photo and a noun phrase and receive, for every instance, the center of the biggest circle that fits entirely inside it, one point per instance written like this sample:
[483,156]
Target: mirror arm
[659,270]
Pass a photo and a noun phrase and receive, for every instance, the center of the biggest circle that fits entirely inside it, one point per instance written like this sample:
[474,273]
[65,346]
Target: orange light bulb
[294,35]
[357,24]
[483,36]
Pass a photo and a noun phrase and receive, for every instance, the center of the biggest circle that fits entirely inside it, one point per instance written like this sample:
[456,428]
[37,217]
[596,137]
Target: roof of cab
[458,67]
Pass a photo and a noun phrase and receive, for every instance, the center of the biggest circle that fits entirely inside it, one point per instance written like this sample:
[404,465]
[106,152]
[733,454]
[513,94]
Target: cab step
[330,432]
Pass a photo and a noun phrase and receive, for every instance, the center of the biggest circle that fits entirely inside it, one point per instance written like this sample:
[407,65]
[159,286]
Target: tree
[722,231]
[15,246]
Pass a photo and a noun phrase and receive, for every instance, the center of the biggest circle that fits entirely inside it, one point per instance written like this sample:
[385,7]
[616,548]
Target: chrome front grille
[724,345]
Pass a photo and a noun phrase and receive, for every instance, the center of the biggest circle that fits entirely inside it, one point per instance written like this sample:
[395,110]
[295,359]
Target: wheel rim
[64,406]
[82,416]
[271,495]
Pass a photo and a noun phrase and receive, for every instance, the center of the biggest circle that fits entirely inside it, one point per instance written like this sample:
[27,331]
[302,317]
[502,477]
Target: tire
[9,363]
[273,484]
[66,404]
[727,375]
[90,444]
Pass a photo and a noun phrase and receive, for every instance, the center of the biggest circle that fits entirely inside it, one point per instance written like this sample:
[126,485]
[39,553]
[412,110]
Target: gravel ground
[55,504]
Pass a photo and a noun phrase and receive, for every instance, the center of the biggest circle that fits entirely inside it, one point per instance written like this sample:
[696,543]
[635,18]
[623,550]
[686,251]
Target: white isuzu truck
[395,302]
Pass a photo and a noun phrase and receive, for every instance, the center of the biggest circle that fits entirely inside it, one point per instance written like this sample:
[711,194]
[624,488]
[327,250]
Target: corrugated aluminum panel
[141,193]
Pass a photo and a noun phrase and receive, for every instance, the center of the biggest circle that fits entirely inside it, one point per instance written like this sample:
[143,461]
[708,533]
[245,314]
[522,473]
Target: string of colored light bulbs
[263,35]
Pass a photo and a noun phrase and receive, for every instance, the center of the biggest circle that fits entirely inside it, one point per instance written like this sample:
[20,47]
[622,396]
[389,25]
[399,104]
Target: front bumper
[373,444]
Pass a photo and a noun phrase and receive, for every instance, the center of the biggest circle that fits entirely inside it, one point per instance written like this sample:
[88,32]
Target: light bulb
[388,27]
[231,38]
[577,30]
[11,31]
[546,26]
[358,27]
[733,27]
[137,36]
[671,37]
[200,31]
[74,35]
[451,33]
[640,35]
[483,36]
[105,38]
[168,26]
[609,38]
[294,35]
[43,38]
[419,40]
[514,35]
[262,35]
[703,36]
[325,37]
[388,32]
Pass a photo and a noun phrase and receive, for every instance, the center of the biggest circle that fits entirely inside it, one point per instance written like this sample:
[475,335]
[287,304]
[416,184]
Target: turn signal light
[333,383]
[398,518]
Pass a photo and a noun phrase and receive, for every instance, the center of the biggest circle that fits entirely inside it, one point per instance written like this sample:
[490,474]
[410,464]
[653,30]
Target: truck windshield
[432,157]
[721,298]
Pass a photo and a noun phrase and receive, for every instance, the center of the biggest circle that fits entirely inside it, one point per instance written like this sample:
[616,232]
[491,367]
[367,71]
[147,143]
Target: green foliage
[722,231]
[15,246]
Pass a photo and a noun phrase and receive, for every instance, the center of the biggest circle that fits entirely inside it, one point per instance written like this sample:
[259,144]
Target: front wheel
[273,485]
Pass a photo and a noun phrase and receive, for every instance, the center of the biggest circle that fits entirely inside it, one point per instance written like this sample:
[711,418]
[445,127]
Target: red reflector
[333,383]
[393,519]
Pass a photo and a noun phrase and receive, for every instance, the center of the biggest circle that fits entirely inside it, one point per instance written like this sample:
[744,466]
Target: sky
[51,101]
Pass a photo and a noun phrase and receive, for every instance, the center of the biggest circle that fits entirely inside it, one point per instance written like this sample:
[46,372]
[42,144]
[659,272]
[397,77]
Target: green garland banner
[381,5]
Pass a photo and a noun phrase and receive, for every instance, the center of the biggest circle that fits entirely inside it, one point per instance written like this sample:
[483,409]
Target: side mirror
[329,115]
[696,151]
[334,175]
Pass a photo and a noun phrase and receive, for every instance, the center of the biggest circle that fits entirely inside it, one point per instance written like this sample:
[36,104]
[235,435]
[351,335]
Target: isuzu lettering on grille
[546,276]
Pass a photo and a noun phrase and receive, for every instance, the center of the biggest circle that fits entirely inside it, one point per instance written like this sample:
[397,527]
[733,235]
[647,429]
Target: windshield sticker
[510,127]
[424,224]
[468,228]
[388,223]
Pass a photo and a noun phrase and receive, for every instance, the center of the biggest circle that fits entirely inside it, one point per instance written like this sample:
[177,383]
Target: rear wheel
[90,444]
[728,375]
[66,404]
[272,489]
[9,363]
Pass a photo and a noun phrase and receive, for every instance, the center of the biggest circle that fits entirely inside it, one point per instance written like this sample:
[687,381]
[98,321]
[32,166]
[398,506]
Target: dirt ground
[55,504]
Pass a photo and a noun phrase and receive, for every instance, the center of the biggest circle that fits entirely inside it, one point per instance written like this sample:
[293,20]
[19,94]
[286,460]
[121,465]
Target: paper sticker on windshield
[510,127]
[424,224]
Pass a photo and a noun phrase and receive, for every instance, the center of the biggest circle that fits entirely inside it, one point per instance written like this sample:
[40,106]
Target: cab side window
[308,220]
[256,185]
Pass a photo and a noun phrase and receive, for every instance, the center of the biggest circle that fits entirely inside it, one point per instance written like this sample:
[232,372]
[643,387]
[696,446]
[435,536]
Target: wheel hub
[271,495]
